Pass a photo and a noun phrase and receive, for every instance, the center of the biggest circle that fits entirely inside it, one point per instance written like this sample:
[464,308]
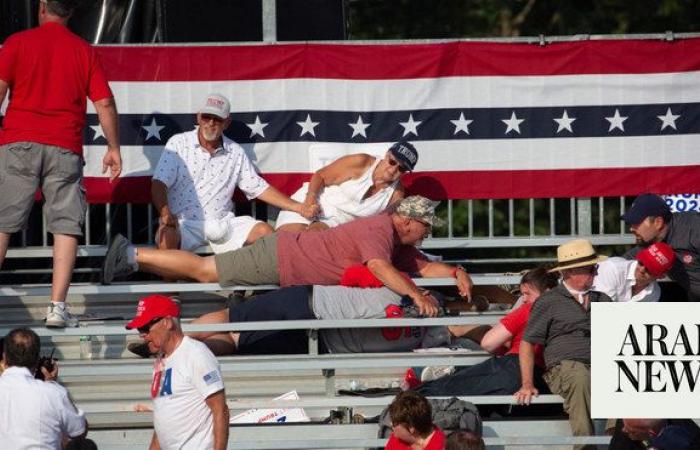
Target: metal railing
[472,223]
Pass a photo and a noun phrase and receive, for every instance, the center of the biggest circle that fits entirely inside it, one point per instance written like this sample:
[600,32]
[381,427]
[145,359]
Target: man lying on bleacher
[319,302]
[385,243]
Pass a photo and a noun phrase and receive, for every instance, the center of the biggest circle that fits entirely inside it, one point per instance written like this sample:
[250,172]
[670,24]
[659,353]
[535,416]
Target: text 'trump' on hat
[405,153]
[658,258]
[217,105]
[153,307]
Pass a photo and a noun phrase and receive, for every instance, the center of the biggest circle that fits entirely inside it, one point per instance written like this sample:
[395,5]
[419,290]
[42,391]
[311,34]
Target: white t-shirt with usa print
[181,384]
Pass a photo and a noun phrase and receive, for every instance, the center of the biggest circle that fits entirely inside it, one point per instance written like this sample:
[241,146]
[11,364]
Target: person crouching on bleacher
[499,375]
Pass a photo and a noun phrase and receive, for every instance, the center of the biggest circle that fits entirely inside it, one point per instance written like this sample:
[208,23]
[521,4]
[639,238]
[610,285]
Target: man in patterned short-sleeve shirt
[193,187]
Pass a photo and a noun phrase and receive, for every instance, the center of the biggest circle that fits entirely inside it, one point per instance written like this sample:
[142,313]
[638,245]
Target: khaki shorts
[251,265]
[25,166]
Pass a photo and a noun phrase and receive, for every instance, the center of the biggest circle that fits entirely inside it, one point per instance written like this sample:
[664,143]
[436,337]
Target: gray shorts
[25,166]
[251,265]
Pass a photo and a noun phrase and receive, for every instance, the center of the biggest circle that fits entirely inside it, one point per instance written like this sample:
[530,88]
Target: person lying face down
[321,302]
[385,243]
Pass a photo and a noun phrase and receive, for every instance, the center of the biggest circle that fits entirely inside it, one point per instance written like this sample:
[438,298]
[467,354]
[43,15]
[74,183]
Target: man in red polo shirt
[49,72]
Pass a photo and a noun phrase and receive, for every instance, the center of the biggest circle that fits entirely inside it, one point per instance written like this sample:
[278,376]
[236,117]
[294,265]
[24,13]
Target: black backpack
[450,414]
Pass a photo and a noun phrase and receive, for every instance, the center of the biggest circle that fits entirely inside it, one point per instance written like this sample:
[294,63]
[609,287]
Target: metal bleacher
[111,384]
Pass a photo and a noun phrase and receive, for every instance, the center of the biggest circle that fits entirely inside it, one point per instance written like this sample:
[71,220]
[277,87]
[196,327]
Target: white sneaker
[431,373]
[57,317]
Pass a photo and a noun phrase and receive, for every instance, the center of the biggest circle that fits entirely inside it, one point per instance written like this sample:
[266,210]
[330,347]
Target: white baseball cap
[217,105]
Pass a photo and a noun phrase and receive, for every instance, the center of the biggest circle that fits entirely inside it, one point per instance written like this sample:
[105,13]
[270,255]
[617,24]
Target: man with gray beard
[193,187]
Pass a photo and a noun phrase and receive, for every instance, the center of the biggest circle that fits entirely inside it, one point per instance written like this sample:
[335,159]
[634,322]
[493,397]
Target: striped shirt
[562,325]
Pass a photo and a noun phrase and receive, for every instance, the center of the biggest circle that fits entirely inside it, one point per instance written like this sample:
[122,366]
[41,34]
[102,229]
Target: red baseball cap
[153,307]
[658,258]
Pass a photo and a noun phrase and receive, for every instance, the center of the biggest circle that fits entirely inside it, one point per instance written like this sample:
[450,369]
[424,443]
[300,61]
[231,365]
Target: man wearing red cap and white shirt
[189,400]
[650,220]
[625,280]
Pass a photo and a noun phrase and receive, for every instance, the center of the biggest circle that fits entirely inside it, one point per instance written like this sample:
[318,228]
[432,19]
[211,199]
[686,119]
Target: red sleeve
[98,88]
[516,320]
[409,259]
[395,444]
[8,58]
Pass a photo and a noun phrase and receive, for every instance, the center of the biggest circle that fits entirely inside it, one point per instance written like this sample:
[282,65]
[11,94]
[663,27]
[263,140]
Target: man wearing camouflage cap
[385,243]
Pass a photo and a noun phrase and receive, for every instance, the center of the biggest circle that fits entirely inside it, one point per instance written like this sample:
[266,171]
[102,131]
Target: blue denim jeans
[495,376]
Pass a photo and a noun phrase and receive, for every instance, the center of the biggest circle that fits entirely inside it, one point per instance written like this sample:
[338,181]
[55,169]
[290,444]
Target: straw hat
[576,253]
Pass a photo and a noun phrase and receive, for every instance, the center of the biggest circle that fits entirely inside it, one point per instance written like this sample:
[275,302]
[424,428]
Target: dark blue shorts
[290,303]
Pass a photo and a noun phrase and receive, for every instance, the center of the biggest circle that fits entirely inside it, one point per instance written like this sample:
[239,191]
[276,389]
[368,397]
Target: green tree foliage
[436,19]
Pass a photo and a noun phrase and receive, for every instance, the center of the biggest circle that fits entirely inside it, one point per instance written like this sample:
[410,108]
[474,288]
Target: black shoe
[116,263]
[139,349]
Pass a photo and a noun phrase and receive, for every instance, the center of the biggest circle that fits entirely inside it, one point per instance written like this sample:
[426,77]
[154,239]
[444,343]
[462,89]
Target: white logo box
[660,382]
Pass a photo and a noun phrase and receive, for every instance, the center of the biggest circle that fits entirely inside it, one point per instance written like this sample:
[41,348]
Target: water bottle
[355,385]
[85,347]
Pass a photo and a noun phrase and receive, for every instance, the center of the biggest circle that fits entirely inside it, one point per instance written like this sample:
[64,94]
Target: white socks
[59,305]
[131,252]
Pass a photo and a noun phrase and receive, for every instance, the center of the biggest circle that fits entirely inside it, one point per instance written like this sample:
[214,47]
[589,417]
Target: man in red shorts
[49,72]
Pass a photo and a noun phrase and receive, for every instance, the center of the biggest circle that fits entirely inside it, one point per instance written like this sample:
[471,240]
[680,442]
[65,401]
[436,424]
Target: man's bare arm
[437,269]
[155,445]
[219,409]
[392,278]
[527,370]
[3,91]
[109,121]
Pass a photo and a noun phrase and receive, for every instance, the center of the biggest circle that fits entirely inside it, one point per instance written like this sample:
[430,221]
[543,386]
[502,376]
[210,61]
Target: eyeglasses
[428,227]
[587,269]
[393,162]
[147,328]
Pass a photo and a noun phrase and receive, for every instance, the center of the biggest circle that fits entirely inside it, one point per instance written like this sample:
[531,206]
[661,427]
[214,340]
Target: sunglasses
[428,227]
[211,117]
[587,269]
[393,162]
[147,328]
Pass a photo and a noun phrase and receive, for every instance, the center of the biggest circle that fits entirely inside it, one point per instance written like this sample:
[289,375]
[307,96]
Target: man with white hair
[561,322]
[189,401]
[194,181]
